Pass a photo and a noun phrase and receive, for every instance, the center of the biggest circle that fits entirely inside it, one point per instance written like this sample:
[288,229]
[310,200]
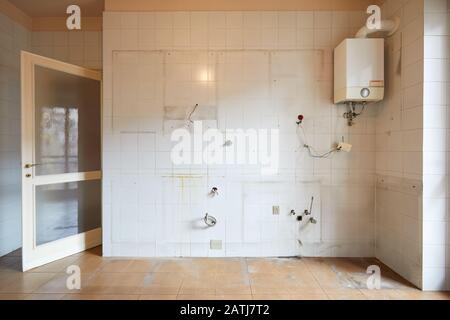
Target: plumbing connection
[210,221]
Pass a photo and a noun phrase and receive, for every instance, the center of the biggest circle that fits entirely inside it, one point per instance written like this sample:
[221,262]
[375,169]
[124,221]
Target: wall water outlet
[216,245]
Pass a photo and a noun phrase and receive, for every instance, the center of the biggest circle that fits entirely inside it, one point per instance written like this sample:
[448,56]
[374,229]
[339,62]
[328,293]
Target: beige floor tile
[332,280]
[316,265]
[419,295]
[163,280]
[58,284]
[345,294]
[13,296]
[198,297]
[348,265]
[115,266]
[26,282]
[158,297]
[230,266]
[162,283]
[262,283]
[175,266]
[100,297]
[234,289]
[197,287]
[309,296]
[235,280]
[305,296]
[306,290]
[275,296]
[258,290]
[90,263]
[141,266]
[267,266]
[8,277]
[235,297]
[45,296]
[114,283]
[204,278]
[160,290]
[383,294]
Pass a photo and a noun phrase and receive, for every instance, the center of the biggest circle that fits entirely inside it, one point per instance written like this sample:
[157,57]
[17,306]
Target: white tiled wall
[83,48]
[436,218]
[399,145]
[152,208]
[13,38]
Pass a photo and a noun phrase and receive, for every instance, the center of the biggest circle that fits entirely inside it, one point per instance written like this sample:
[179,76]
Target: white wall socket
[215,244]
[276,210]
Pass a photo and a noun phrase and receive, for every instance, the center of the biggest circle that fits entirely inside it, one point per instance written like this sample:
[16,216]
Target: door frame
[33,255]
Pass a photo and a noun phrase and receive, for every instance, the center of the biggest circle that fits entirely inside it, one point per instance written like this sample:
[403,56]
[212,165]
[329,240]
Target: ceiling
[57,8]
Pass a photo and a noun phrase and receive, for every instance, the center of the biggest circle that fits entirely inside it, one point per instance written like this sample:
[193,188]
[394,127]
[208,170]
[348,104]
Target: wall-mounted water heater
[359,70]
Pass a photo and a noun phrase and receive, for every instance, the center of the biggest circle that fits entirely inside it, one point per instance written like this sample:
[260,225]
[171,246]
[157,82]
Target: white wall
[399,145]
[436,218]
[13,38]
[83,48]
[149,205]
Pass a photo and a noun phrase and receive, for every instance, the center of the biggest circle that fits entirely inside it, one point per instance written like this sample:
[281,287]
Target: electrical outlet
[276,210]
[215,244]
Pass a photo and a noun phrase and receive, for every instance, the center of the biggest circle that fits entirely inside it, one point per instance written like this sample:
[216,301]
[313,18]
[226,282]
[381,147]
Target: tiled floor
[199,279]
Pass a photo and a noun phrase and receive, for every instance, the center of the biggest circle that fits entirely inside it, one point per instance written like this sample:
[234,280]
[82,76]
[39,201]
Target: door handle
[31,165]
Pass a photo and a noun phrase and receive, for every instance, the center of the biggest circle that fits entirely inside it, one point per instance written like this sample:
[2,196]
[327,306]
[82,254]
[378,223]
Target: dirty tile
[306,296]
[158,297]
[100,297]
[45,296]
[197,297]
[58,284]
[12,296]
[419,295]
[162,283]
[114,283]
[336,294]
[90,263]
[383,294]
[140,266]
[115,266]
[25,282]
[205,278]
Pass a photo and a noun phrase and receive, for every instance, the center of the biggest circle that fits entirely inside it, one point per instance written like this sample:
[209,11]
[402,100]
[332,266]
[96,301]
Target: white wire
[311,151]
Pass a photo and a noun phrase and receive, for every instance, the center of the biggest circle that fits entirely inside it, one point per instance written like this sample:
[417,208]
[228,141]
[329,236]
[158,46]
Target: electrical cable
[311,151]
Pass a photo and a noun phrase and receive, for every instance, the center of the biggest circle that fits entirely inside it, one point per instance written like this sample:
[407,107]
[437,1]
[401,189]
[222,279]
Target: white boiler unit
[359,71]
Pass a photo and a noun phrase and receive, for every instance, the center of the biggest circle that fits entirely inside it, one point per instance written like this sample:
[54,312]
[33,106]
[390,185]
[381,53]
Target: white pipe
[389,26]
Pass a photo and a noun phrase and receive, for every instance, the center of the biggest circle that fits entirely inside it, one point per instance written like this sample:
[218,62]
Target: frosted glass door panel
[67,123]
[67,209]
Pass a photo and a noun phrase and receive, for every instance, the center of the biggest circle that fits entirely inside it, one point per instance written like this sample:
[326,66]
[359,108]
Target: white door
[61,159]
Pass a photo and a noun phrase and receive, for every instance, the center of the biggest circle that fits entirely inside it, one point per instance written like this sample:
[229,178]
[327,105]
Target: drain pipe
[389,26]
